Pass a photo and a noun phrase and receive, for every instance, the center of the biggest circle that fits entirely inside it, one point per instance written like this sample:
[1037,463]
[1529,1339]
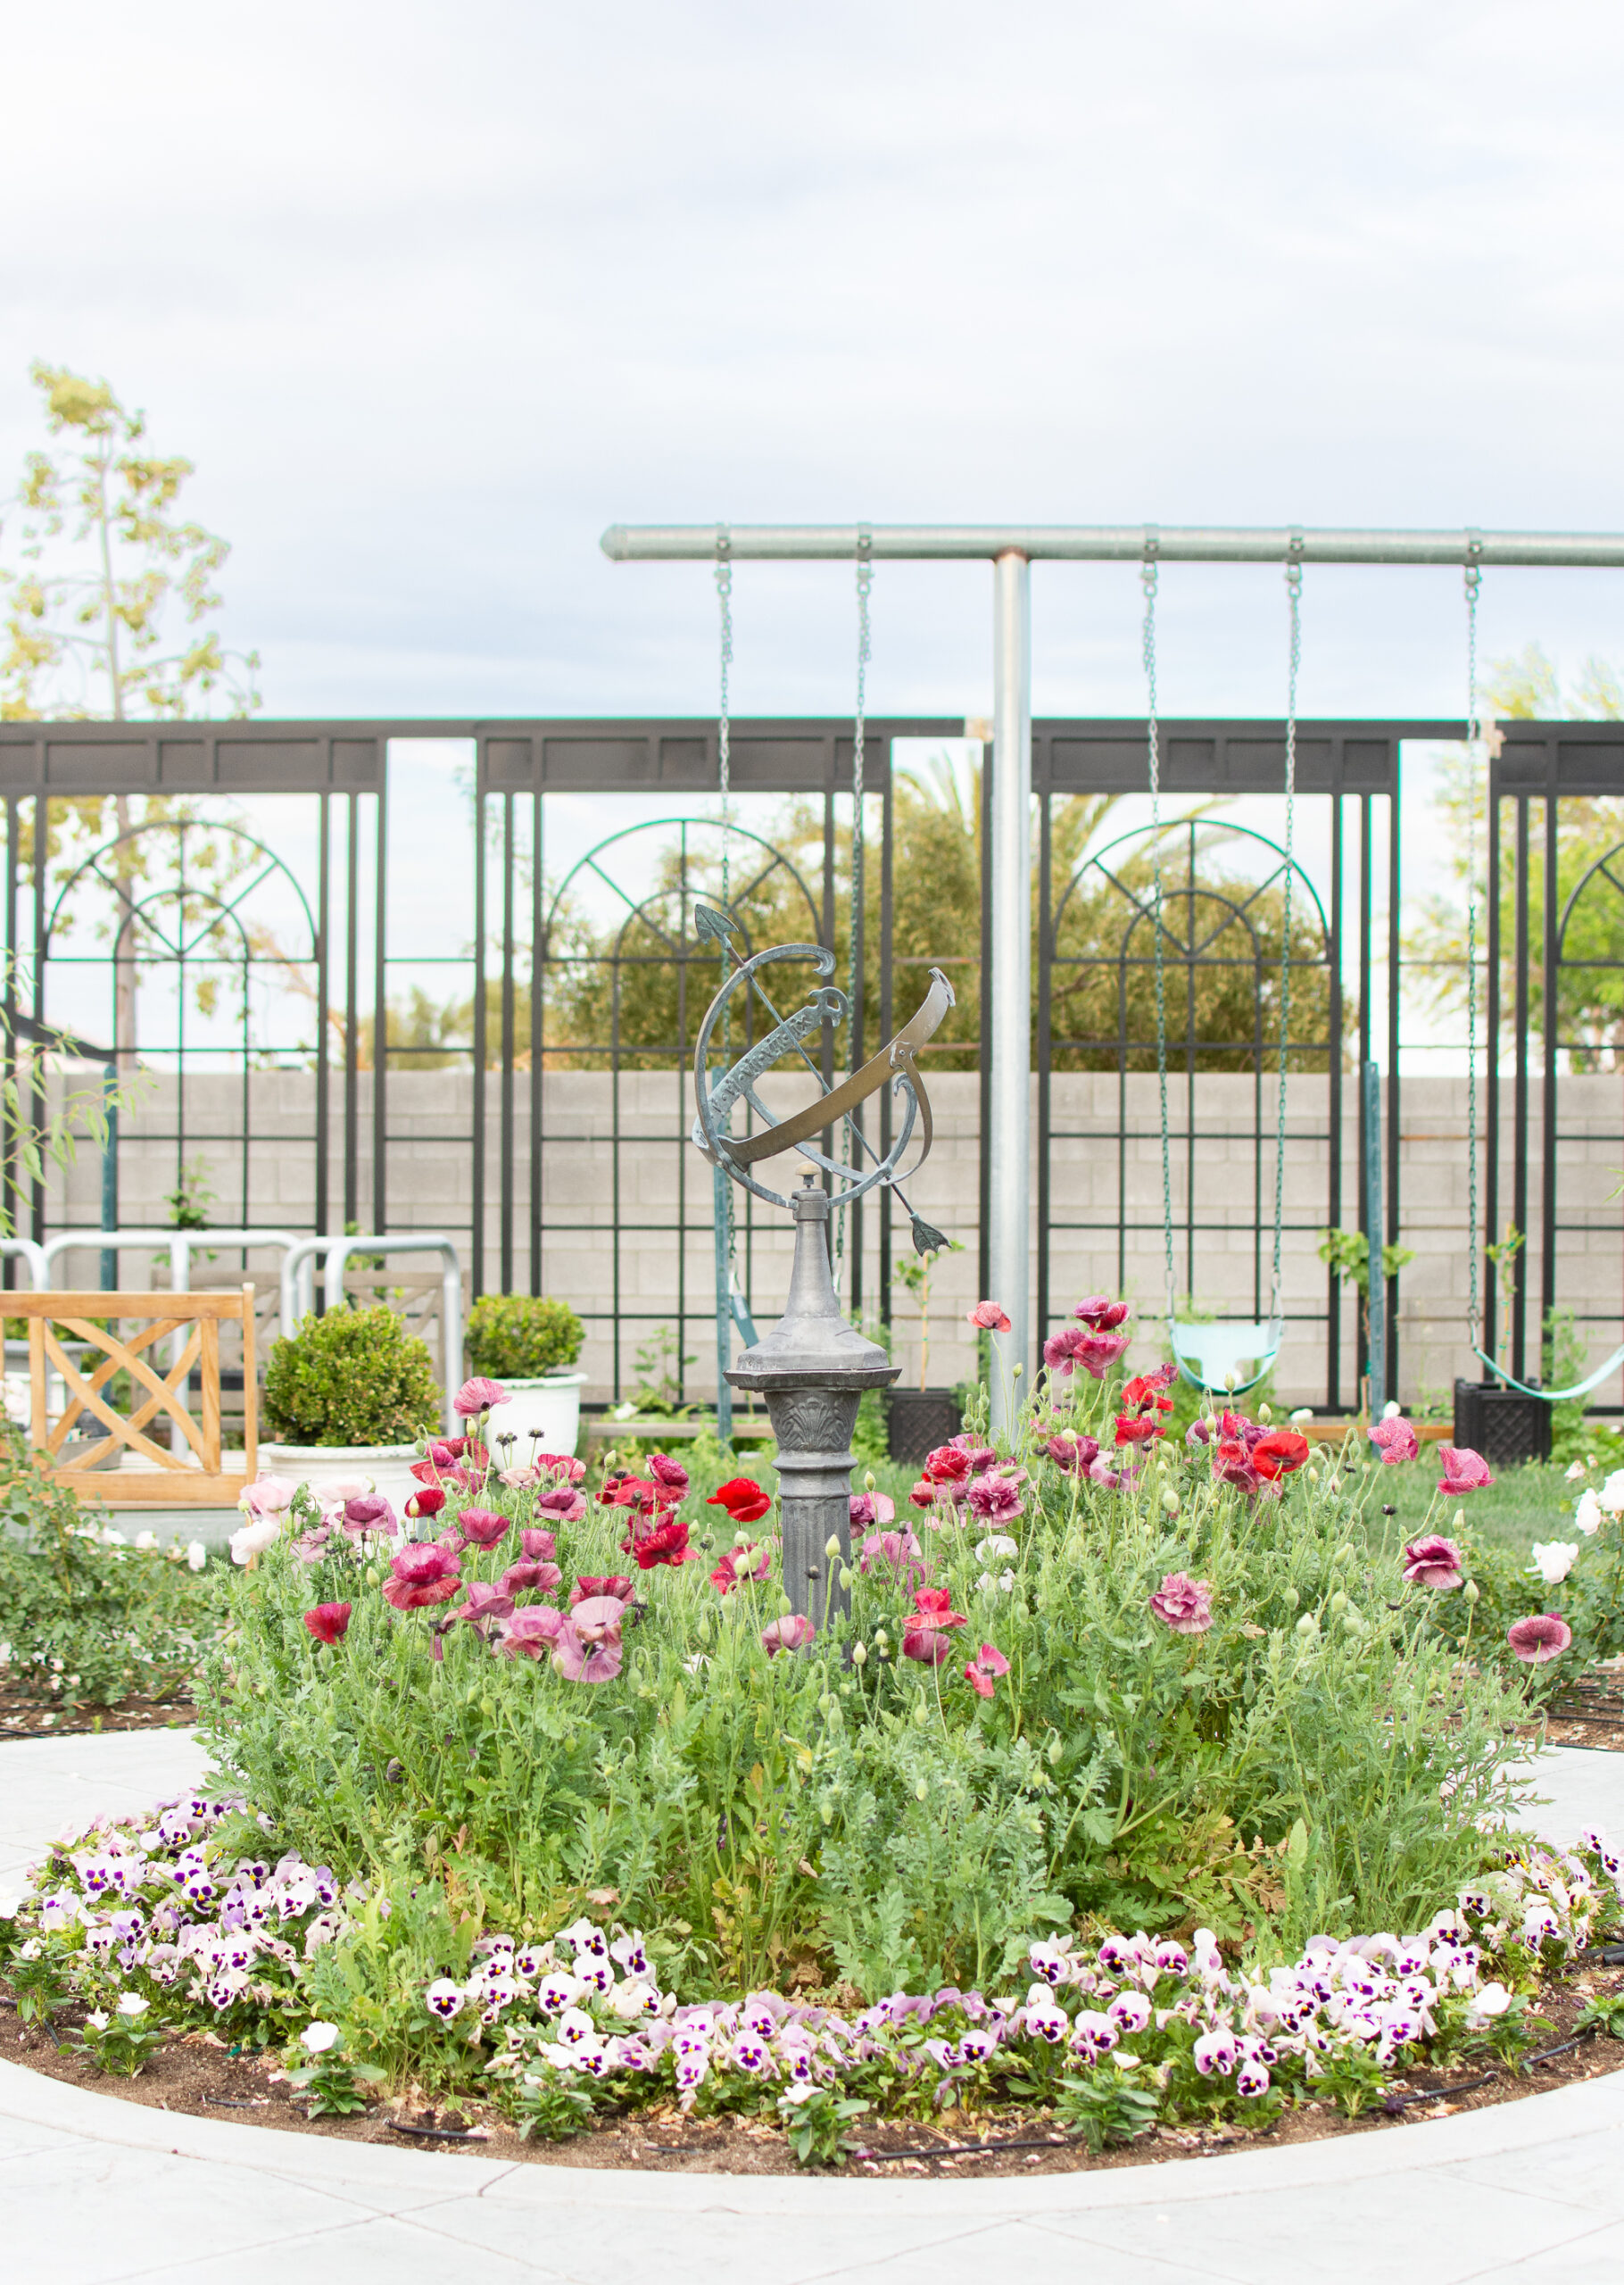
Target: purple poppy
[1433,1562]
[1537,1640]
[1183,1603]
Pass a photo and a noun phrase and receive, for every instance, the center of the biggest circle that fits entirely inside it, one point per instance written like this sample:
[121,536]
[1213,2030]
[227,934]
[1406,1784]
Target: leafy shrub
[520,1336]
[87,1617]
[353,1376]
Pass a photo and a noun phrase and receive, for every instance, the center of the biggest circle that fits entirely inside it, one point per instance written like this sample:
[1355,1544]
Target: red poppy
[667,1542]
[744,1499]
[1280,1453]
[328,1621]
[1139,1430]
[482,1527]
[1147,1389]
[427,1501]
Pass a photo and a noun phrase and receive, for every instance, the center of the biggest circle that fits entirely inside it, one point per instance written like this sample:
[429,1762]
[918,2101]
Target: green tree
[1590,901]
[632,988]
[105,573]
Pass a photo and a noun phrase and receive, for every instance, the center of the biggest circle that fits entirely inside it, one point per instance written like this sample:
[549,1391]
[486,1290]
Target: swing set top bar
[1106,543]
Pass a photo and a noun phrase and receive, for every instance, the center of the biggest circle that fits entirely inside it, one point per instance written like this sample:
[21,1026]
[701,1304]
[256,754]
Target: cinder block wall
[653,1178]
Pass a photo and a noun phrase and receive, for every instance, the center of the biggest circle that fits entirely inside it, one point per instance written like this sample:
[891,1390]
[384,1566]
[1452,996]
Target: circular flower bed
[542,1788]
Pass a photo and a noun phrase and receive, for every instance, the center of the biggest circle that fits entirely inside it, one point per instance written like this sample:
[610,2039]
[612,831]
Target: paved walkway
[94,2191]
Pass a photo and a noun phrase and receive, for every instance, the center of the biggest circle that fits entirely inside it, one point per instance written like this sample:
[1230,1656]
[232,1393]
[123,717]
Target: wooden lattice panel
[193,1477]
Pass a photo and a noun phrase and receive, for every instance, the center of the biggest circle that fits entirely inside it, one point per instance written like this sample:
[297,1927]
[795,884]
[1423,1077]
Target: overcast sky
[433,294]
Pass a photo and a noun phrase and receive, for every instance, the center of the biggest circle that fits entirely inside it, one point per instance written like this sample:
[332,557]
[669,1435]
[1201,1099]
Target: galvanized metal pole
[1376,1295]
[1008,1141]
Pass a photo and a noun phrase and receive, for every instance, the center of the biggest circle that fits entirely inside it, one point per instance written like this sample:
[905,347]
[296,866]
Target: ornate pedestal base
[813,1368]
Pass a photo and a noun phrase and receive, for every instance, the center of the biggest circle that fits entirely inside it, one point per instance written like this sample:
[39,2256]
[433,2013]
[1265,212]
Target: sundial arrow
[716,926]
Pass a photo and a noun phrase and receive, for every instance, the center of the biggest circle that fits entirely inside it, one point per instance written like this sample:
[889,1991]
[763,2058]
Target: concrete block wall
[652,1175]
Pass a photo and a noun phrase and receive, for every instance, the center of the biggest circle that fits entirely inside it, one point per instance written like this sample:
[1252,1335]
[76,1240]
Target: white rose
[197,1554]
[1587,1513]
[1577,1471]
[1612,1493]
[317,2037]
[1554,1559]
[146,1540]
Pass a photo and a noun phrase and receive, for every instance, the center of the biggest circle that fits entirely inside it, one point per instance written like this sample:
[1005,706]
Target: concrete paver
[95,2191]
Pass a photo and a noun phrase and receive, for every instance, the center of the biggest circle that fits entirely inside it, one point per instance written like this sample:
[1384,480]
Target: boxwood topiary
[354,1376]
[519,1337]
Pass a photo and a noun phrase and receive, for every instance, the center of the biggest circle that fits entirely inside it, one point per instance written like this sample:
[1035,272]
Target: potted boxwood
[349,1395]
[528,1344]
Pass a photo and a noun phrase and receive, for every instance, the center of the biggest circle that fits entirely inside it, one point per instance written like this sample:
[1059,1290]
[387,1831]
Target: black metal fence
[561,923]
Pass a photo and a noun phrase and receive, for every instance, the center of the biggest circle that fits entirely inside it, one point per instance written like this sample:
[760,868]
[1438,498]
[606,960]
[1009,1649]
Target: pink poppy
[1072,1453]
[871,1508]
[791,1634]
[670,1475]
[476,1396]
[533,1578]
[530,1632]
[924,1492]
[1464,1470]
[1433,1562]
[1232,1464]
[328,1621]
[899,1553]
[422,1574]
[537,1547]
[562,1505]
[482,1527]
[988,1316]
[584,1590]
[1096,1352]
[268,1495]
[925,1627]
[563,1465]
[482,1604]
[1396,1440]
[743,1563]
[995,1498]
[588,1647]
[984,1669]
[1183,1603]
[370,1513]
[1101,1314]
[1537,1640]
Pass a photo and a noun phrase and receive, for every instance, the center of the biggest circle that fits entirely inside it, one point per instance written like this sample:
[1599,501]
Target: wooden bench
[193,1474]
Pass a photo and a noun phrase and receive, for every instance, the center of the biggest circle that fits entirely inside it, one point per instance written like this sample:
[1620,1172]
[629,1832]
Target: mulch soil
[196,2073]
[27,1712]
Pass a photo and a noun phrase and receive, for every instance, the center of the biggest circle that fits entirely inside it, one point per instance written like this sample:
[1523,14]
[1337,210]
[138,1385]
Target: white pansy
[97,2019]
[132,2006]
[317,2037]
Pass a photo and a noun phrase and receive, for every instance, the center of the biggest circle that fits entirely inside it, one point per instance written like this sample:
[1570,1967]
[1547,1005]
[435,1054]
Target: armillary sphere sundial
[813,1367]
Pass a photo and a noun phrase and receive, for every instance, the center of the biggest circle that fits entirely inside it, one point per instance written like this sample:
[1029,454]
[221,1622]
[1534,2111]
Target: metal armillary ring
[893,1065]
[813,1367]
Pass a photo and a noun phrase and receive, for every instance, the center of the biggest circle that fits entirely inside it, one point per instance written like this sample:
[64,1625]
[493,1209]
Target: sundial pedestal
[812,1369]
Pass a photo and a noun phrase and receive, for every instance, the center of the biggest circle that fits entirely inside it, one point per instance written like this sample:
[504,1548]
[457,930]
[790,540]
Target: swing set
[1230,1356]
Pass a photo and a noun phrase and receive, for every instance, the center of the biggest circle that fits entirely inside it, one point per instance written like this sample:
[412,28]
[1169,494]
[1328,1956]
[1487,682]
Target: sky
[433,294]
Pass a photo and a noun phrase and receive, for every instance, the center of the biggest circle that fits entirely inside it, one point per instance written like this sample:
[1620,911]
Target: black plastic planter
[919,1420]
[1507,1427]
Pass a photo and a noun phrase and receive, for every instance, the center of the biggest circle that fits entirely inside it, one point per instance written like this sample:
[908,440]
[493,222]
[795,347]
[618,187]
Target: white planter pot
[388,1468]
[549,1409]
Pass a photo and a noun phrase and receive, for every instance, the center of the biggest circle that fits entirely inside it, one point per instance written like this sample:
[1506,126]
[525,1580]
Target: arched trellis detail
[199,916]
[1197,914]
[1608,868]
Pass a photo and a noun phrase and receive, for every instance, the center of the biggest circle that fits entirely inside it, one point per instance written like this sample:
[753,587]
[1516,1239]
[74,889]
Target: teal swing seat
[1553,1396]
[1211,1356]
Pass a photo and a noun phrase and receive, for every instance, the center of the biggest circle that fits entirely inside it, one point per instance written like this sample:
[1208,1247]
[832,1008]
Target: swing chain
[865,576]
[1474,733]
[1294,598]
[1147,581]
[725,605]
